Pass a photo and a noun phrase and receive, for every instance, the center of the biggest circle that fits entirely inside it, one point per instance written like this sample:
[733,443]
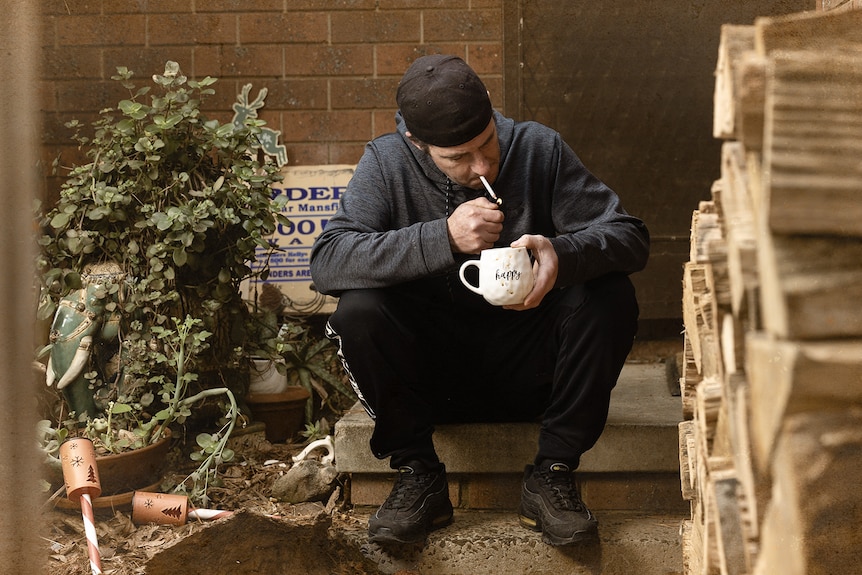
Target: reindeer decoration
[268,138]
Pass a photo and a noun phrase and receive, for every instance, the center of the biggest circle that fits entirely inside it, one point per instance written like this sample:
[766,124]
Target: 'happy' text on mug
[507,275]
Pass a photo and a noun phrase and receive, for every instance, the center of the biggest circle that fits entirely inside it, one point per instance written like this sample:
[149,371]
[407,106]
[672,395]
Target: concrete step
[634,465]
[490,542]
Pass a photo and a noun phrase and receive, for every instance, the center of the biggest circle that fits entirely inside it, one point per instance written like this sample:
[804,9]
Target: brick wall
[330,66]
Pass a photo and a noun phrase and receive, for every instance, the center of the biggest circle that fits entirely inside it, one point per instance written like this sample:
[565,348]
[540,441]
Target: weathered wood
[739,229]
[705,233]
[751,97]
[730,543]
[779,552]
[809,31]
[690,378]
[810,286]
[700,315]
[787,377]
[818,460]
[706,415]
[812,142]
[839,5]
[751,492]
[735,40]
[687,459]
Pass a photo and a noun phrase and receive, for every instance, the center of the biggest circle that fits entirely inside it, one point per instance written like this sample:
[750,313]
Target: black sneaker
[550,503]
[419,503]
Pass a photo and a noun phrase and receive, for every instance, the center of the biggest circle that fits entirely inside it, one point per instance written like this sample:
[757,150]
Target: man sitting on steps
[420,349]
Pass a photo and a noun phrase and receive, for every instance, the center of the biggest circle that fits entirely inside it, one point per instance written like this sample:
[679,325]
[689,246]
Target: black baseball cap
[443,101]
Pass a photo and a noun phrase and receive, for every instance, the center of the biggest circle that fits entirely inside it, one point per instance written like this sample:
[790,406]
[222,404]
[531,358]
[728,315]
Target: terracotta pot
[121,474]
[131,470]
[282,413]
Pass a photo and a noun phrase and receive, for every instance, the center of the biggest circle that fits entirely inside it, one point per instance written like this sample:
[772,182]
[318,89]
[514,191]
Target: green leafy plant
[177,205]
[179,202]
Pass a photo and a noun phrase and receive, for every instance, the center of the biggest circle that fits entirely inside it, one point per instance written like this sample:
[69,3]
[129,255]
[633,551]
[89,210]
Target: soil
[291,534]
[300,538]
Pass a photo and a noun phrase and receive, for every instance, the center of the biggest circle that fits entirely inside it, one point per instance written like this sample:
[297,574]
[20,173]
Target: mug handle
[464,281]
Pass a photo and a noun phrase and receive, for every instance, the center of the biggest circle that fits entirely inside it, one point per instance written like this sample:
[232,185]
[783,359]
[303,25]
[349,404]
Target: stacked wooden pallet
[771,445]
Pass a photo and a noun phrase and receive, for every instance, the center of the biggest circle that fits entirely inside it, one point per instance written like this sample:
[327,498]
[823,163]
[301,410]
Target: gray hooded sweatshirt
[390,228]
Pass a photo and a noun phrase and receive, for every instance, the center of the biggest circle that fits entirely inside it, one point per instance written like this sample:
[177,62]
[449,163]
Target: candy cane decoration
[81,475]
[168,509]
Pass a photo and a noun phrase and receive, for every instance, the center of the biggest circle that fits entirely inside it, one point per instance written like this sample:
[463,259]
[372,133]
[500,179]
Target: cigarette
[498,201]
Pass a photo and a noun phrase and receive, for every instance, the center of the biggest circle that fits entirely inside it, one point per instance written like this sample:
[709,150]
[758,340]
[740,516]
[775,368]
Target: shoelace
[565,491]
[406,487]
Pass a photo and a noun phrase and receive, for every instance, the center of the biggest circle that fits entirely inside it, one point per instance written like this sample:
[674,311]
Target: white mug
[505,275]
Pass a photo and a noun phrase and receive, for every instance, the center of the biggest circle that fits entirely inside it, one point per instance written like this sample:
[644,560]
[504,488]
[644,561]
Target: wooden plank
[739,230]
[839,5]
[810,286]
[817,465]
[705,232]
[787,377]
[689,380]
[700,315]
[751,97]
[751,492]
[706,415]
[735,40]
[687,455]
[730,543]
[809,31]
[812,141]
[779,553]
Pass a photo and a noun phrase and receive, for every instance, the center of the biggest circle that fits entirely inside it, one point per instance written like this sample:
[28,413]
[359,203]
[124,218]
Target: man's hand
[474,226]
[545,269]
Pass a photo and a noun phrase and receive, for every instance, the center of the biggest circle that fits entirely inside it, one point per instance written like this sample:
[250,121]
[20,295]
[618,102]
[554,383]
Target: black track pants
[416,362]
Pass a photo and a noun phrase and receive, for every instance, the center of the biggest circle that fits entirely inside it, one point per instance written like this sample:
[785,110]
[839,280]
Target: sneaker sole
[551,539]
[386,535]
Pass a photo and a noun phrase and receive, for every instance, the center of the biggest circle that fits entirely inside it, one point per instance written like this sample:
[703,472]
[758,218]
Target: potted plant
[142,259]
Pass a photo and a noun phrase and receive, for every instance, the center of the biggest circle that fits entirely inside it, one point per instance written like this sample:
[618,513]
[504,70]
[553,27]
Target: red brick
[150,6]
[88,96]
[394,59]
[297,94]
[239,5]
[184,29]
[144,62]
[349,93]
[257,60]
[426,4]
[115,30]
[486,59]
[164,6]
[289,27]
[375,27]
[72,62]
[322,60]
[343,126]
[48,96]
[330,5]
[54,128]
[384,121]
[67,7]
[207,61]
[486,4]
[470,25]
[218,106]
[307,154]
[345,153]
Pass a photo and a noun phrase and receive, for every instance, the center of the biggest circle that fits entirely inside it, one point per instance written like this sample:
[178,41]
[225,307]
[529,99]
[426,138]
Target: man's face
[465,163]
